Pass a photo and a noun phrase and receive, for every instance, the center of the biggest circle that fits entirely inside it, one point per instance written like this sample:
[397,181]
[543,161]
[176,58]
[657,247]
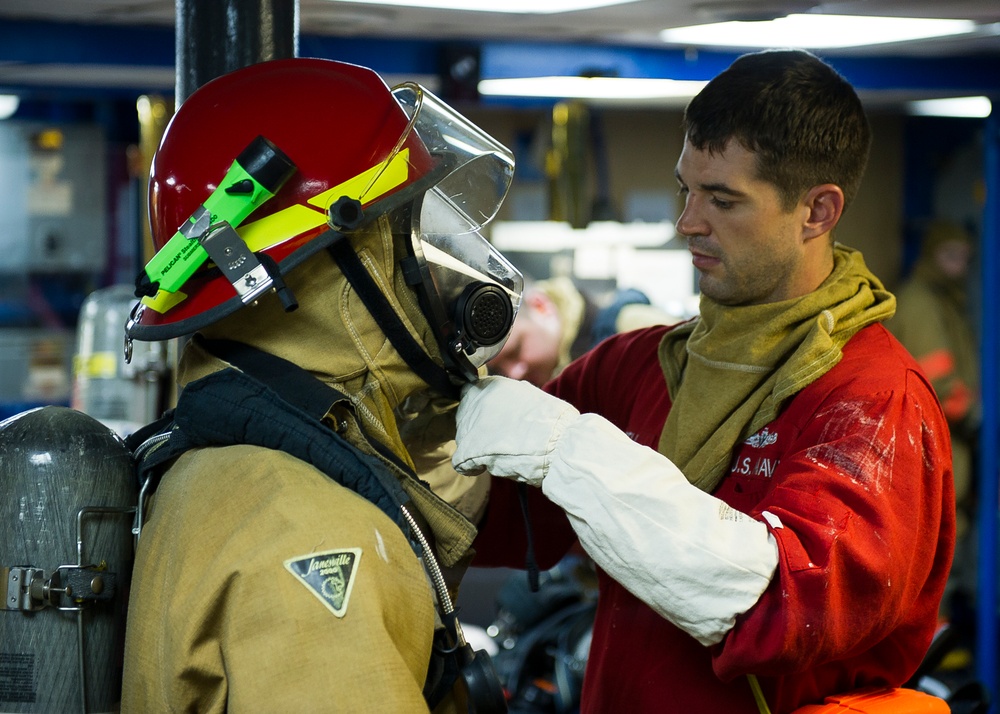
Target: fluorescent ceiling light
[8,105]
[537,7]
[816,31]
[972,107]
[590,87]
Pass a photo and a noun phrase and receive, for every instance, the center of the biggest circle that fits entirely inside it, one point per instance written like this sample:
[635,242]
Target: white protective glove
[692,558]
[512,436]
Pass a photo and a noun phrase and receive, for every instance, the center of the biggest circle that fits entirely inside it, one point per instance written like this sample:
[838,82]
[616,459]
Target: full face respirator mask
[469,291]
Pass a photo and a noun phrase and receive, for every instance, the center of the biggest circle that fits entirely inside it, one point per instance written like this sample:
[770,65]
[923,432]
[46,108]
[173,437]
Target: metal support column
[989,467]
[216,37]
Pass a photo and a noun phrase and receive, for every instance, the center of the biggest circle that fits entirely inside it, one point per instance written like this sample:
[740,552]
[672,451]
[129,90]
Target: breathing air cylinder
[67,507]
[122,395]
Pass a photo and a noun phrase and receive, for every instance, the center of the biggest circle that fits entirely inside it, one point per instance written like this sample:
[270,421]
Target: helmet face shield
[473,292]
[476,170]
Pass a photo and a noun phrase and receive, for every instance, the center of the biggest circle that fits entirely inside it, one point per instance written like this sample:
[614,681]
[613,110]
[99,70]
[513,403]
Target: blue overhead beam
[502,60]
[33,42]
[525,59]
[413,57]
[41,43]
[971,73]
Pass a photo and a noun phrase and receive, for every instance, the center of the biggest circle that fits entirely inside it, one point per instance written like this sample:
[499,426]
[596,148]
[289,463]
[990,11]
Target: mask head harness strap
[386,318]
[481,315]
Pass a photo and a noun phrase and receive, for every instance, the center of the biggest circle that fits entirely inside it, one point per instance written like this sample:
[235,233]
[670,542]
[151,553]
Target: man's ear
[825,205]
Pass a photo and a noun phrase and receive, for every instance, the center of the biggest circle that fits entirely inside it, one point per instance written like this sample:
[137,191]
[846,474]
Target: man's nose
[689,223]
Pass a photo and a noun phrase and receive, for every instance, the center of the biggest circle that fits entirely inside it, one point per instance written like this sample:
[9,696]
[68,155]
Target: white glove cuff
[692,558]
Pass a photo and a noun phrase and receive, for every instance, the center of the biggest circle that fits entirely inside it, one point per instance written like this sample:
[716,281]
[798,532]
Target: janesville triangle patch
[328,575]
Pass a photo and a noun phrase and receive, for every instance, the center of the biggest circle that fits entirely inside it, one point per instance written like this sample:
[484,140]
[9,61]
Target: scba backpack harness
[272,403]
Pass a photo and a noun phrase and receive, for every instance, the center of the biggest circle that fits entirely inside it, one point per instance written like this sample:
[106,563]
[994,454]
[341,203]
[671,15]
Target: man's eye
[682,191]
[721,203]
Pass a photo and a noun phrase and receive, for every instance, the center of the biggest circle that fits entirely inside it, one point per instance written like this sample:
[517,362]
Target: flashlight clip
[255,176]
[228,251]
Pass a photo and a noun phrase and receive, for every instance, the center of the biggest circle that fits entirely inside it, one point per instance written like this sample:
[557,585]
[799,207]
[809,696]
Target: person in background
[289,558]
[558,322]
[933,322]
[766,488]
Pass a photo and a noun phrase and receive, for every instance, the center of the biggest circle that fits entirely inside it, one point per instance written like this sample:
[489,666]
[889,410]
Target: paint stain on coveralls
[380,547]
[858,441]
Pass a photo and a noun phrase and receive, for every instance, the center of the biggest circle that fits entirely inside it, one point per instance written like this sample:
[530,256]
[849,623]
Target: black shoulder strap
[294,384]
[230,407]
[235,407]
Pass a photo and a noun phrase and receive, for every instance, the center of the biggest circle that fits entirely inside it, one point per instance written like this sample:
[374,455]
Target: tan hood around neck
[732,370]
[333,336]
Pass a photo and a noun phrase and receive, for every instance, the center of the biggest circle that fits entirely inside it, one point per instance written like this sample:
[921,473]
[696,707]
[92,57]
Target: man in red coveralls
[766,488]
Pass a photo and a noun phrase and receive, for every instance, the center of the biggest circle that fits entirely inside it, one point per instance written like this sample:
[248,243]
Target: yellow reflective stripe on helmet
[163,301]
[375,182]
[281,226]
[295,220]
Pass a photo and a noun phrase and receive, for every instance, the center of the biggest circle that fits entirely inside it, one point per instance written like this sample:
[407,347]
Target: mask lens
[459,259]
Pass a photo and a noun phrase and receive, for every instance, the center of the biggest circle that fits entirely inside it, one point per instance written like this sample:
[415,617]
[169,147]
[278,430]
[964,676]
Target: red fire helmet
[347,137]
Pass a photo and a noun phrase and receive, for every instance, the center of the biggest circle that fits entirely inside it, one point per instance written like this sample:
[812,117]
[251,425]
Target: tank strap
[295,385]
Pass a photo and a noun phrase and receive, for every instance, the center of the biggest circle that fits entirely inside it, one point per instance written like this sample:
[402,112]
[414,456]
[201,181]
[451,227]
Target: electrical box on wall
[35,366]
[52,198]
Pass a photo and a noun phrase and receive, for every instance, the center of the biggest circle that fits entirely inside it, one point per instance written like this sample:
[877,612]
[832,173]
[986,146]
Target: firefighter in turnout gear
[331,274]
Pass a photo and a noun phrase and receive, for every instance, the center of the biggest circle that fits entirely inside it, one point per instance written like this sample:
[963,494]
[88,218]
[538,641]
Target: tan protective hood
[334,337]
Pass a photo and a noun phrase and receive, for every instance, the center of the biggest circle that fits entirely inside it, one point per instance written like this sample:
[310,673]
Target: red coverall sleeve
[865,504]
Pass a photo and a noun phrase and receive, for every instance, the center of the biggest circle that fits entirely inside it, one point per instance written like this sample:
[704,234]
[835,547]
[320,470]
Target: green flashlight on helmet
[258,173]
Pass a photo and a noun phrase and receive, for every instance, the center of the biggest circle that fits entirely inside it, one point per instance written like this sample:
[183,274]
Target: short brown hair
[801,118]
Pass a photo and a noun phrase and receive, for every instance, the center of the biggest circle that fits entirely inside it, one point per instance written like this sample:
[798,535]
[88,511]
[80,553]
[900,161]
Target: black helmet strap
[377,304]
